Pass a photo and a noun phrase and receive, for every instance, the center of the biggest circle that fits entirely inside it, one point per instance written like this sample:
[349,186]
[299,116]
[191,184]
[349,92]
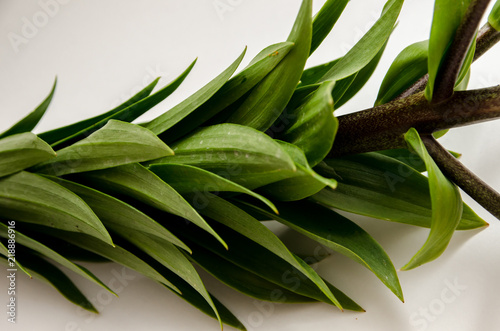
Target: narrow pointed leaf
[29,122]
[230,92]
[135,181]
[174,115]
[11,258]
[368,46]
[270,97]
[238,153]
[58,134]
[21,151]
[188,179]
[379,186]
[42,249]
[117,215]
[338,233]
[28,197]
[494,16]
[324,21]
[446,206]
[115,144]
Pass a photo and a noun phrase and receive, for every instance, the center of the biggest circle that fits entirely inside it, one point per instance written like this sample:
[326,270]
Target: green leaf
[135,181]
[59,134]
[303,184]
[174,115]
[129,113]
[368,46]
[21,151]
[11,258]
[447,17]
[117,215]
[494,17]
[313,75]
[405,156]
[29,122]
[379,186]
[238,153]
[338,233]
[446,206]
[269,98]
[409,66]
[115,144]
[30,198]
[324,21]
[230,92]
[233,217]
[188,179]
[44,270]
[42,249]
[465,69]
[312,126]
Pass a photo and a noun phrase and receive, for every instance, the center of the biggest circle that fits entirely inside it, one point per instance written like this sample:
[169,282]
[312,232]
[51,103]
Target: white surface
[104,51]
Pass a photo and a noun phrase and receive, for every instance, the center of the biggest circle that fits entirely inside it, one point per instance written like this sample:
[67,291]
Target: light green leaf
[494,17]
[42,249]
[188,179]
[135,181]
[29,122]
[465,69]
[338,233]
[115,144]
[368,46]
[238,153]
[117,215]
[174,115]
[21,151]
[406,69]
[446,206]
[379,186]
[58,134]
[28,197]
[230,92]
[324,21]
[269,98]
[447,17]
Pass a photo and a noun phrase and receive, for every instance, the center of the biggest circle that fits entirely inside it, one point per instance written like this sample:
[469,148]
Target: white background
[105,51]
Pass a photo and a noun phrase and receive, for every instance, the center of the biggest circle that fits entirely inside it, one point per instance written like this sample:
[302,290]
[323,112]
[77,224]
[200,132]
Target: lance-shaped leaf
[303,184]
[44,270]
[235,218]
[117,215]
[232,90]
[28,197]
[269,98]
[29,122]
[58,134]
[313,75]
[494,16]
[139,183]
[169,256]
[129,113]
[379,186]
[324,21]
[446,206]
[406,69]
[21,151]
[188,179]
[174,115]
[338,233]
[368,46]
[115,144]
[10,258]
[42,249]
[238,153]
[447,17]
[312,126]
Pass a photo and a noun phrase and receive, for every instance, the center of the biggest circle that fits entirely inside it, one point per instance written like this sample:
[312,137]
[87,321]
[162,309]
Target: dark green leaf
[11,258]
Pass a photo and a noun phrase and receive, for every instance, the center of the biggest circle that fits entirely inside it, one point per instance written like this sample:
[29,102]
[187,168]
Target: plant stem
[463,177]
[487,37]
[383,127]
[455,56]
